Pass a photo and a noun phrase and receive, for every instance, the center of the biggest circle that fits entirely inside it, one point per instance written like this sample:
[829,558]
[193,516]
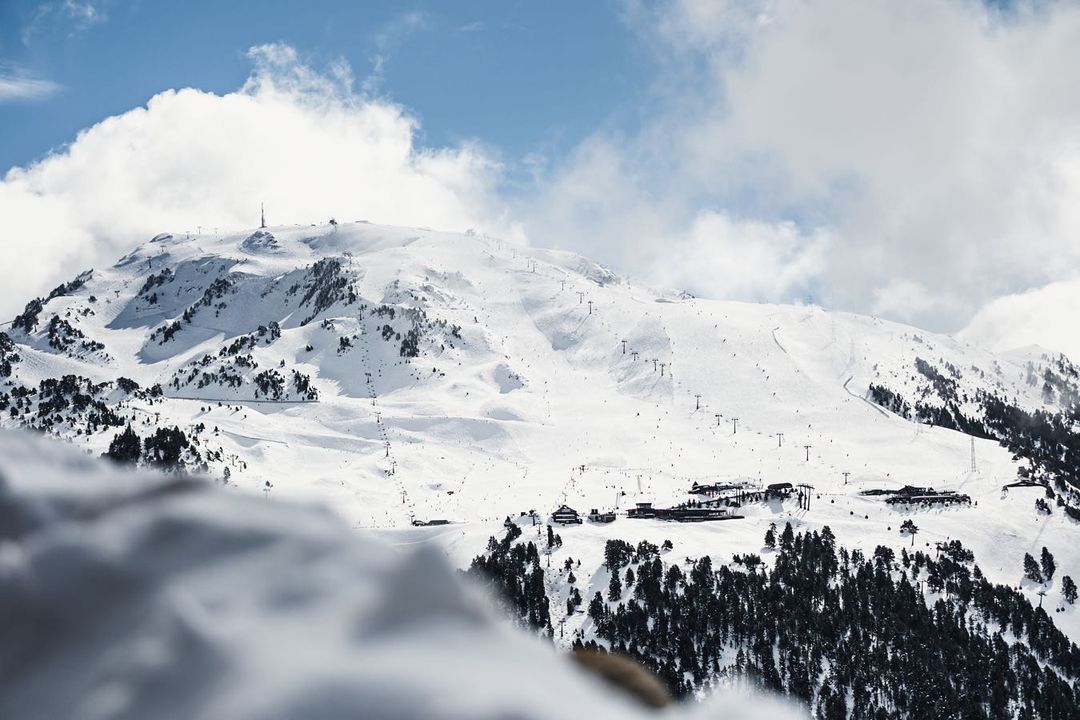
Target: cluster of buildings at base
[911,495]
[725,498]
[723,501]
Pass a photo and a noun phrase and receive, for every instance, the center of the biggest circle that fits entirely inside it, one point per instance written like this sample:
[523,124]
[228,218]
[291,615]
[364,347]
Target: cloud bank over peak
[1044,316]
[914,160]
[299,139]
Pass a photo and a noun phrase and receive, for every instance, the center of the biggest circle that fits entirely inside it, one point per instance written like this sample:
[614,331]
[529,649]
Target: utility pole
[734,425]
[387,448]
[623,347]
[697,402]
[654,364]
[846,477]
[662,369]
[779,439]
[634,354]
[580,297]
[807,452]
[718,416]
[564,284]
[590,307]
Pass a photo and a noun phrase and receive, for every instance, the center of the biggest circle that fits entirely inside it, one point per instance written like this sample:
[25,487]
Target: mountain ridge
[404,376]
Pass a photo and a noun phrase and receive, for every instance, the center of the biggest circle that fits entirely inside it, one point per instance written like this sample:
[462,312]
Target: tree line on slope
[866,638]
[1046,439]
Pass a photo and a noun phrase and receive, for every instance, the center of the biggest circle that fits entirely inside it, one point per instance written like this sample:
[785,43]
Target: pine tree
[614,591]
[1031,569]
[1048,565]
[596,608]
[165,447]
[1068,589]
[909,528]
[125,448]
[770,537]
[787,538]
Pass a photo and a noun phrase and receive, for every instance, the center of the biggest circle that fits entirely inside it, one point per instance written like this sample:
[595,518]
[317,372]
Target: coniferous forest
[883,637]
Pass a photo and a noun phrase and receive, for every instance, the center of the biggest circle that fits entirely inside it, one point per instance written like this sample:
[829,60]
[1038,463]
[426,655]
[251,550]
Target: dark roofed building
[566,515]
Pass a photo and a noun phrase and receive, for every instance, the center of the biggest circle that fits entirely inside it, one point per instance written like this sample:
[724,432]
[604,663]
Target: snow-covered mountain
[403,376]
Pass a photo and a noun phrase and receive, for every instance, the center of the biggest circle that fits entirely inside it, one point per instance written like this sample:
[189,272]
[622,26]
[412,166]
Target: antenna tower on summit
[262,214]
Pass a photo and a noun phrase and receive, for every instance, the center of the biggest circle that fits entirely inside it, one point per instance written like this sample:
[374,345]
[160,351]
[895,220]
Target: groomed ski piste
[531,379]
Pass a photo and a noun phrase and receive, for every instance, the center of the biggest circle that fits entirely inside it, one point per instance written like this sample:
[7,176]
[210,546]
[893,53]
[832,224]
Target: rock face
[140,595]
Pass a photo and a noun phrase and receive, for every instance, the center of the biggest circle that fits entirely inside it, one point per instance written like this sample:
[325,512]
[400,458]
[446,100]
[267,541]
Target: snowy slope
[523,394]
[146,596]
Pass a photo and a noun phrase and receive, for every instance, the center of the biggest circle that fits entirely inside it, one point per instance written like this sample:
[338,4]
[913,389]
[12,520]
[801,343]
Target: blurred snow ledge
[145,596]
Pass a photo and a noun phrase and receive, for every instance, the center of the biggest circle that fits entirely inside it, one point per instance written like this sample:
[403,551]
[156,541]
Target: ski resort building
[601,517]
[715,488]
[688,512]
[642,510]
[566,515]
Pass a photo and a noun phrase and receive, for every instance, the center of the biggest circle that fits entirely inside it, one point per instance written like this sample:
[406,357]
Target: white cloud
[935,143]
[388,40]
[743,259]
[299,140]
[600,203]
[1045,316]
[68,16]
[15,87]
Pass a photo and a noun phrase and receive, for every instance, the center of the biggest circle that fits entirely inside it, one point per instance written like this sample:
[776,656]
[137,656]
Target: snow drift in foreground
[139,595]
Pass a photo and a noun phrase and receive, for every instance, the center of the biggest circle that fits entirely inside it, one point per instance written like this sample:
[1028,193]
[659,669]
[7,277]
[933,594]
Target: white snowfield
[138,595]
[542,378]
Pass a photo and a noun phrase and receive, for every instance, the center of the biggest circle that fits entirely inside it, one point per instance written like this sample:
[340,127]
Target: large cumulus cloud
[300,140]
[910,159]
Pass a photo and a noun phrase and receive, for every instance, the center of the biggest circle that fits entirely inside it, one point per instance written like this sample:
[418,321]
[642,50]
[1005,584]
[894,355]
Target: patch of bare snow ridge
[147,596]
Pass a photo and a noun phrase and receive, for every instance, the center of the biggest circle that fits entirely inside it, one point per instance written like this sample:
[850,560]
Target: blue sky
[522,77]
